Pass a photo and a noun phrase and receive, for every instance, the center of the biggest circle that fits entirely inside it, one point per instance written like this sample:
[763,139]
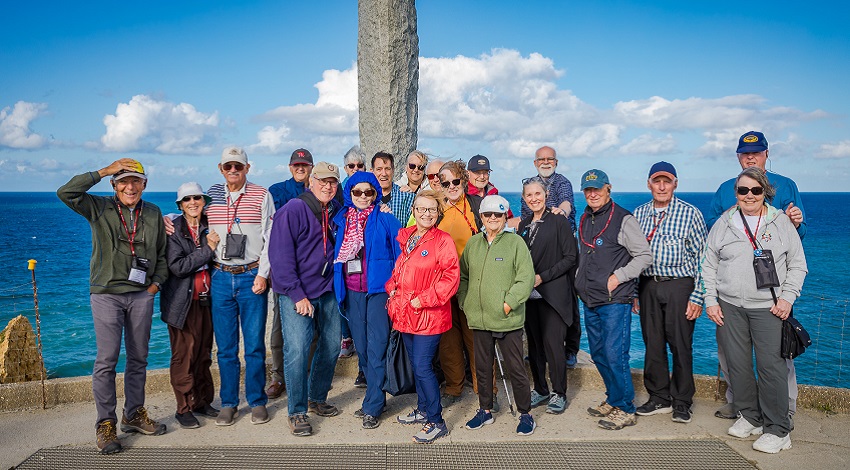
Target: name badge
[354,266]
[139,270]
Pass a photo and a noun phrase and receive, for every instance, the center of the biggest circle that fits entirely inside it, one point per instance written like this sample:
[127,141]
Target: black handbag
[795,338]
[399,379]
[763,264]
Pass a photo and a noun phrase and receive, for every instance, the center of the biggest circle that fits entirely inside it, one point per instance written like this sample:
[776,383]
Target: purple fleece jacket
[297,253]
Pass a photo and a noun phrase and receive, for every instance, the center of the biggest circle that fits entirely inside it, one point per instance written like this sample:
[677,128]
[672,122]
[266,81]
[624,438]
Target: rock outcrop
[20,360]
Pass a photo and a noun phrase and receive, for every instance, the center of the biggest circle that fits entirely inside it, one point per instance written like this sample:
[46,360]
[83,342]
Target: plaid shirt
[560,189]
[678,243]
[401,204]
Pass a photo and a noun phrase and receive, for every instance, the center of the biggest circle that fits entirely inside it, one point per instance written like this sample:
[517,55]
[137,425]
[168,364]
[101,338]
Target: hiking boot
[226,416]
[682,413]
[526,425]
[653,407]
[359,413]
[370,422]
[107,439]
[617,419]
[572,361]
[772,444]
[742,428]
[447,400]
[275,389]
[141,423]
[346,348]
[727,411]
[259,415]
[538,399]
[601,410]
[431,432]
[299,425]
[322,409]
[187,420]
[414,417]
[360,381]
[557,404]
[480,419]
[206,410]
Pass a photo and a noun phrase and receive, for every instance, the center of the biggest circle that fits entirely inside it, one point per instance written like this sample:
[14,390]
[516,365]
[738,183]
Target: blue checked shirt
[401,204]
[678,243]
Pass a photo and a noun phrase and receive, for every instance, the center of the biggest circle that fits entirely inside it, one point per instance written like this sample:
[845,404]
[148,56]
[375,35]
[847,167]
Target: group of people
[440,258]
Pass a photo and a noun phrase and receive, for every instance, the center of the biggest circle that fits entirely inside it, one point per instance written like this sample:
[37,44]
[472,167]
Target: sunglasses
[454,182]
[757,191]
[358,192]
[352,166]
[236,166]
[191,198]
[497,215]
[414,166]
[433,176]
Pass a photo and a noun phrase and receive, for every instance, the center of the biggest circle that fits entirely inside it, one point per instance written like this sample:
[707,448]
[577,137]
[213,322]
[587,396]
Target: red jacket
[431,272]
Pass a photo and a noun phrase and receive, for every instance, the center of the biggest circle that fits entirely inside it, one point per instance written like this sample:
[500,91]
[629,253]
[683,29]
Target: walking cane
[504,382]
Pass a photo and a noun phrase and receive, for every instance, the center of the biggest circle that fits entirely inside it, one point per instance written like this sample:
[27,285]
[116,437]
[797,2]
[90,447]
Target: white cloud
[647,144]
[15,122]
[148,124]
[835,150]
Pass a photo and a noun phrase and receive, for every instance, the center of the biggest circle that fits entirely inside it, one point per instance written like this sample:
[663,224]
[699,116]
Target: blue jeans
[297,337]
[609,335]
[421,350]
[370,327]
[234,304]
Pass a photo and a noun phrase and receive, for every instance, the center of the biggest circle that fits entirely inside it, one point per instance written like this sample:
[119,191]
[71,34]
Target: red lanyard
[235,210]
[463,213]
[592,245]
[196,238]
[131,237]
[657,224]
[751,235]
[325,225]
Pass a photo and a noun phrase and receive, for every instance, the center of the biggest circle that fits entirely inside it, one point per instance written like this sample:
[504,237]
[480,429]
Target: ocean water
[38,226]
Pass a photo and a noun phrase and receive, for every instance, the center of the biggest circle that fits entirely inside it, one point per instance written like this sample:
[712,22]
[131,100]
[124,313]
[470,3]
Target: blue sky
[611,85]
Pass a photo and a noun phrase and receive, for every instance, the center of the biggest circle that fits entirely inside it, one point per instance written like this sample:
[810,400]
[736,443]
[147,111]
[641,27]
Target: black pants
[510,346]
[662,321]
[546,332]
[573,341]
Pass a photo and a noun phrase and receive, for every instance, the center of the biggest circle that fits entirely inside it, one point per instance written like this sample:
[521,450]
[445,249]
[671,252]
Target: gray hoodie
[728,266]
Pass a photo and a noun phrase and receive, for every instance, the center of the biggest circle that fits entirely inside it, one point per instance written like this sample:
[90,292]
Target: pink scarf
[352,240]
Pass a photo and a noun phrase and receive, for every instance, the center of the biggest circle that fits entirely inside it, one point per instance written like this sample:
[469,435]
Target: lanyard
[230,220]
[751,236]
[131,236]
[463,213]
[657,224]
[325,227]
[592,245]
[196,238]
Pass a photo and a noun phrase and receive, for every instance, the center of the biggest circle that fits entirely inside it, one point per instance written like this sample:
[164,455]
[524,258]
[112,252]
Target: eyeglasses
[236,166]
[433,176]
[426,210]
[454,182]
[546,159]
[191,198]
[743,190]
[352,166]
[488,215]
[358,192]
[414,166]
[327,182]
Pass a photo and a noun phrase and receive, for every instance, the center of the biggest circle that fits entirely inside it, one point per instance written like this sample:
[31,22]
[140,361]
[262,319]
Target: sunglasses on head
[487,215]
[757,190]
[358,192]
[414,166]
[352,166]
[236,166]
[191,198]
[454,182]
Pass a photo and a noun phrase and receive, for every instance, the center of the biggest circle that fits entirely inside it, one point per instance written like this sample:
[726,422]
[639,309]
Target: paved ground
[820,441]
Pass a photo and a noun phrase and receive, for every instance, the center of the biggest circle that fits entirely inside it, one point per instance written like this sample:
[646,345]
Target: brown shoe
[276,389]
[322,409]
[617,419]
[259,415]
[142,423]
[226,416]
[107,439]
[601,410]
[299,425]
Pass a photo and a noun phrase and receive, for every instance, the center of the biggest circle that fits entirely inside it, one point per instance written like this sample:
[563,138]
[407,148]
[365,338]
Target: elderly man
[127,269]
[611,241]
[300,165]
[399,202]
[752,151]
[478,170]
[670,294]
[241,212]
[301,254]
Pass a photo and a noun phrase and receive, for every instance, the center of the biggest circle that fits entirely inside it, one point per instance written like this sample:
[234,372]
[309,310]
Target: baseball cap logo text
[750,139]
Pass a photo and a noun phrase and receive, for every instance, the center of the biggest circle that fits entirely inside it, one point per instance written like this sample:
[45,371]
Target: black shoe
[359,413]
[682,413]
[206,410]
[653,407]
[370,422]
[360,381]
[187,420]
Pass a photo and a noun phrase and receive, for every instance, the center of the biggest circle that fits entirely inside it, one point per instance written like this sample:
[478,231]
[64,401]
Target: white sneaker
[742,428]
[772,444]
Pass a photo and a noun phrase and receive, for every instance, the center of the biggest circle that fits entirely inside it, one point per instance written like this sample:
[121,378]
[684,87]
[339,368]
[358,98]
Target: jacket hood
[772,213]
[357,178]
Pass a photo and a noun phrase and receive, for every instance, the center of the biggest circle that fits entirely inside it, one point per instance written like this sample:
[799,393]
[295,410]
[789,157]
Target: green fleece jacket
[492,275]
[111,256]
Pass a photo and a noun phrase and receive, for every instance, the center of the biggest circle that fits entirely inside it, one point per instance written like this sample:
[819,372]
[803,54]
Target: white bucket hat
[191,189]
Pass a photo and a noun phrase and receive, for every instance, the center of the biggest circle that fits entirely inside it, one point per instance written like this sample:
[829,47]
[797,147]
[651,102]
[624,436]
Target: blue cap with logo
[662,169]
[752,141]
[594,179]
[478,162]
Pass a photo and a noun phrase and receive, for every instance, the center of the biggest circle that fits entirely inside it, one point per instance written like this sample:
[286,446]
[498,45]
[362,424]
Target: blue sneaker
[414,417]
[538,399]
[526,425]
[479,420]
[572,361]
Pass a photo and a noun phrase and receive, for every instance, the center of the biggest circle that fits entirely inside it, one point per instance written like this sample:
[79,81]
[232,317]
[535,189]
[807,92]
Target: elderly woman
[496,278]
[185,306]
[366,252]
[416,163]
[353,161]
[550,308]
[749,318]
[423,282]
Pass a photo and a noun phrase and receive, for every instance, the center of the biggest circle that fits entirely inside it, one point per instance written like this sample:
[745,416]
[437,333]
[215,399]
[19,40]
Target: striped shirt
[678,241]
[248,211]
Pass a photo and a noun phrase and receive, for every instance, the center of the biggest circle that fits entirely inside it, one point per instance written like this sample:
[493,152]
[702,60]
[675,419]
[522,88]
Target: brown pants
[191,350]
[452,345]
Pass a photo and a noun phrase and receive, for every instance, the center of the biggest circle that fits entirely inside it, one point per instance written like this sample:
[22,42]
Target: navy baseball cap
[662,169]
[752,142]
[478,162]
[594,179]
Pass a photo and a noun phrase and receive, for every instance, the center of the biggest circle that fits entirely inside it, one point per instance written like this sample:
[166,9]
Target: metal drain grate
[648,454]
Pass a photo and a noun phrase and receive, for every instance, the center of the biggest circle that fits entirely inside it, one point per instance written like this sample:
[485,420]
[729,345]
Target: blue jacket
[380,246]
[284,191]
